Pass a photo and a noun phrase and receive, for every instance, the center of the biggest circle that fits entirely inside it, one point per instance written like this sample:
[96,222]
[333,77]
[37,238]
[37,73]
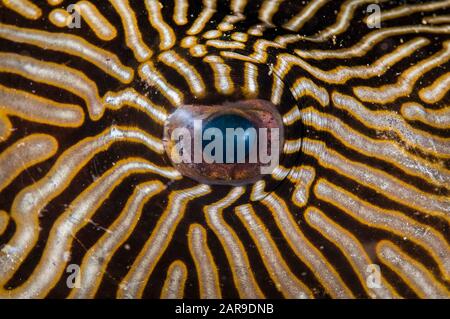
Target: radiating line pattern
[90,206]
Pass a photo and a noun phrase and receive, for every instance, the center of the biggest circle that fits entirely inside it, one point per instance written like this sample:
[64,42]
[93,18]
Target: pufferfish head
[116,179]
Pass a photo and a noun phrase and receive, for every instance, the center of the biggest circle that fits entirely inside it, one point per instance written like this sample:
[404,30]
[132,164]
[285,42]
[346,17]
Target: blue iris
[232,121]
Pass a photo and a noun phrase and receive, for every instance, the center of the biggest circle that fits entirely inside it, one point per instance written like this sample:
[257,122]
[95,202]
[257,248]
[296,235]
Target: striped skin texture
[364,177]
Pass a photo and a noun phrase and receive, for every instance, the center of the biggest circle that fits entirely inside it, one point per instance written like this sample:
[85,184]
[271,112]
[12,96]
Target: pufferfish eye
[232,141]
[224,149]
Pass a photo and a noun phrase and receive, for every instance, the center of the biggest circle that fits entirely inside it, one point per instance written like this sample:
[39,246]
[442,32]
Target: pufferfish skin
[91,205]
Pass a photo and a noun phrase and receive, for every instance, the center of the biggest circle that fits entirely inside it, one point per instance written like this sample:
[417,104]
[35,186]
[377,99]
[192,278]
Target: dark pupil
[231,121]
